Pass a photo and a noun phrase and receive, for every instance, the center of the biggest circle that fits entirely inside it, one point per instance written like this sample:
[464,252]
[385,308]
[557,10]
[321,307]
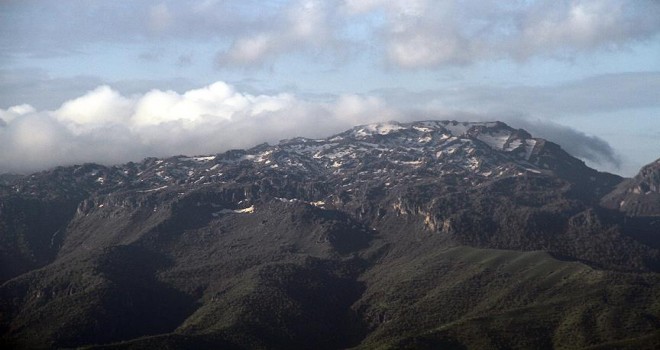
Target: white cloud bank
[104,126]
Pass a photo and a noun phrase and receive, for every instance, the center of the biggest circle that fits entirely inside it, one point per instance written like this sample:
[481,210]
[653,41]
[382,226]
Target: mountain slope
[639,196]
[390,234]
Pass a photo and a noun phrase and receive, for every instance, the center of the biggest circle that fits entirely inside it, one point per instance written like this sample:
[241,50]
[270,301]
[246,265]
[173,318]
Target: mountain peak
[497,135]
[454,127]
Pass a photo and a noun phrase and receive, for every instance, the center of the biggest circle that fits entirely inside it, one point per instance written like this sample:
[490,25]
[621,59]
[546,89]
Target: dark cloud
[595,150]
[576,143]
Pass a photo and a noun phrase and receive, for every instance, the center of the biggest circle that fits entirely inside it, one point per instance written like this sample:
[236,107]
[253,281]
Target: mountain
[8,179]
[639,196]
[390,235]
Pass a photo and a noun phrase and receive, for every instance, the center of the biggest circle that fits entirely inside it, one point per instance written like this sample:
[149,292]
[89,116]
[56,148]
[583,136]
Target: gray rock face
[639,196]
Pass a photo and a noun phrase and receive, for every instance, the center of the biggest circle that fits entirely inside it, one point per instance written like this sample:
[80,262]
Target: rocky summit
[423,235]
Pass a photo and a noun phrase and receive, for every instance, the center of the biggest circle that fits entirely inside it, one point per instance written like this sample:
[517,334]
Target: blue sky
[113,81]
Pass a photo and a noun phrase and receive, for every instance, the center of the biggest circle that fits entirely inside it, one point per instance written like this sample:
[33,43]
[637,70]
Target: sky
[117,81]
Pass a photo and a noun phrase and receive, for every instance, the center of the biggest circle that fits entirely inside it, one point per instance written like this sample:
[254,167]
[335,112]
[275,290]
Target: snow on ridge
[529,148]
[496,140]
[198,159]
[377,128]
[204,159]
[422,128]
[261,157]
[442,138]
[457,129]
[453,128]
[513,145]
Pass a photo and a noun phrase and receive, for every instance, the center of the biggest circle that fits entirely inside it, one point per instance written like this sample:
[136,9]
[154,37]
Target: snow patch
[378,128]
[154,189]
[411,162]
[248,210]
[319,204]
[425,139]
[422,129]
[529,148]
[513,145]
[204,159]
[495,141]
[457,129]
[473,163]
[197,159]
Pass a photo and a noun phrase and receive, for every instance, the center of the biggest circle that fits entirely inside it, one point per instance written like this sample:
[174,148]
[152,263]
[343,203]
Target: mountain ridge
[261,248]
[445,136]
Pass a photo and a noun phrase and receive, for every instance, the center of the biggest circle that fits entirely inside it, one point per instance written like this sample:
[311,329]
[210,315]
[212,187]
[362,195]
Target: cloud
[160,17]
[100,106]
[7,116]
[594,150]
[587,147]
[409,34]
[106,127]
[302,25]
[600,93]
[427,34]
[586,24]
[184,60]
[151,56]
[49,29]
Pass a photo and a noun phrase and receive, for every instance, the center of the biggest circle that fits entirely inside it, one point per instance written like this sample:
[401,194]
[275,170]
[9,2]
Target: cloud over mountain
[108,127]
[104,126]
